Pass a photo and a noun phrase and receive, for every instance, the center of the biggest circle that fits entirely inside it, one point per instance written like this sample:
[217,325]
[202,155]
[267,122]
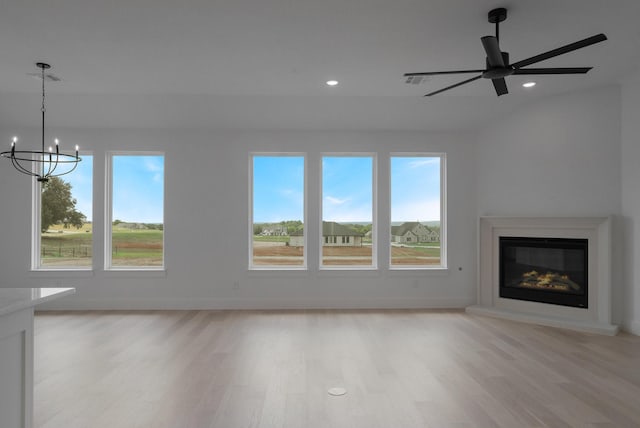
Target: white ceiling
[263,63]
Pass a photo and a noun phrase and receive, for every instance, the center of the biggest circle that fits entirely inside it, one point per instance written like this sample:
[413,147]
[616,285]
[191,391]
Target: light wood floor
[272,369]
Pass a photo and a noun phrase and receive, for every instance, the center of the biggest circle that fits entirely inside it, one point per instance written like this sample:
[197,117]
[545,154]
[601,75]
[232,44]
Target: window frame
[36,221]
[443,212]
[108,212]
[374,212]
[305,253]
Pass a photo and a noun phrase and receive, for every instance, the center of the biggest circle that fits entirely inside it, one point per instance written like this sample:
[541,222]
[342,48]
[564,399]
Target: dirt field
[273,253]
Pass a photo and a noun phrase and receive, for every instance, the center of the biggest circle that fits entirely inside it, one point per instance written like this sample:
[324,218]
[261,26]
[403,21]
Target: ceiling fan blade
[453,86]
[435,73]
[500,85]
[560,70]
[490,44]
[560,51]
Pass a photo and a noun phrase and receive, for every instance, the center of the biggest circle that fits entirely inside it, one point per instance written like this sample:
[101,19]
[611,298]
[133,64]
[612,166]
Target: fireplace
[547,270]
[586,309]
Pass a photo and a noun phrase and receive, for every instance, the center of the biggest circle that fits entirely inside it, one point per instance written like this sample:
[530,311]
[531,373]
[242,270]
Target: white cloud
[423,162]
[335,201]
[152,166]
[294,196]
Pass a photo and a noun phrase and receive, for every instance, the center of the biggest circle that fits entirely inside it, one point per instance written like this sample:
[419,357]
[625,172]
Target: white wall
[206,226]
[631,199]
[557,157]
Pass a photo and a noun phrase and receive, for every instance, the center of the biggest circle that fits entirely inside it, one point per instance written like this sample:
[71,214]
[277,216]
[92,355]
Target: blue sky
[347,191]
[278,188]
[415,189]
[138,188]
[138,183]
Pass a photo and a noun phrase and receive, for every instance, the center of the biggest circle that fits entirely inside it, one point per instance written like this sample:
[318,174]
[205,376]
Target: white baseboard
[248,304]
[634,328]
[583,326]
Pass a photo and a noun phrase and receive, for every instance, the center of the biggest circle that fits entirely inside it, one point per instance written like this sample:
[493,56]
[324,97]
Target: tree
[58,207]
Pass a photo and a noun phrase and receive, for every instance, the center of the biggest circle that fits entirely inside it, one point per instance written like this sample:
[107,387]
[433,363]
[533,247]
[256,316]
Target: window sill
[135,273]
[413,271]
[61,273]
[348,272]
[298,271]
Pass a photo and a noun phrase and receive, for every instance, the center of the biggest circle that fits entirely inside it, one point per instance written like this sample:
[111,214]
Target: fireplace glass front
[547,270]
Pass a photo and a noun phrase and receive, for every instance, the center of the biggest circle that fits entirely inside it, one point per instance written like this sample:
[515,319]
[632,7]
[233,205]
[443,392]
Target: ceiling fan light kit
[498,67]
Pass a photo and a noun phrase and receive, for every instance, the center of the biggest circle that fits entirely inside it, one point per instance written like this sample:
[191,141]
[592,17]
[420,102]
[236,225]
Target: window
[417,226]
[347,211]
[277,212]
[63,229]
[135,223]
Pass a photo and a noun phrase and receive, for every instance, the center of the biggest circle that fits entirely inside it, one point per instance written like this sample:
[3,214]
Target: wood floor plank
[401,368]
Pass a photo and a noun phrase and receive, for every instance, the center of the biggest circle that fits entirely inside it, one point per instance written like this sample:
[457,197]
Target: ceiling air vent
[416,80]
[47,77]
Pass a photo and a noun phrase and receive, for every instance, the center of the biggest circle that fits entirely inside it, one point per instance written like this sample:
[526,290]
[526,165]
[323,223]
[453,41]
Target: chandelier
[42,164]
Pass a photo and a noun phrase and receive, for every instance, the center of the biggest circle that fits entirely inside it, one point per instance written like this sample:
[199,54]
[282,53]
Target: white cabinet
[16,352]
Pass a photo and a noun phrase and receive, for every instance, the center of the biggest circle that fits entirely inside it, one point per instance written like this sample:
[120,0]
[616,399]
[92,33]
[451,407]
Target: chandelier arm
[52,165]
[62,156]
[17,165]
[75,165]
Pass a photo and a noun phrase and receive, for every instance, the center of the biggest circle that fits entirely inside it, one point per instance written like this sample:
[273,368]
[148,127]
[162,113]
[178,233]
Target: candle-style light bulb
[15,140]
[57,142]
[50,149]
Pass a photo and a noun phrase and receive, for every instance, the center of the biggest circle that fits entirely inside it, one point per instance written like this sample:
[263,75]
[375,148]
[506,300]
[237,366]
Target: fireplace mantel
[597,230]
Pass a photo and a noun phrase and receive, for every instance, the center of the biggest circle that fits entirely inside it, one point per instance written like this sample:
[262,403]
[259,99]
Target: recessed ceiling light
[529,84]
[332,82]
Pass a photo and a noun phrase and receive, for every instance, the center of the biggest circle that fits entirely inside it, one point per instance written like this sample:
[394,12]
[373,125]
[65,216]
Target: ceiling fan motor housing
[498,72]
[497,15]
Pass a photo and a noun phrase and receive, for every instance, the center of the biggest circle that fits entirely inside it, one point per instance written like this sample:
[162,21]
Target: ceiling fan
[497,62]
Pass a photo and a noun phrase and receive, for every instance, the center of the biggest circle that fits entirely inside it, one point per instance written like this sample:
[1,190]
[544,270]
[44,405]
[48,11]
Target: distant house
[338,235]
[296,238]
[412,232]
[274,230]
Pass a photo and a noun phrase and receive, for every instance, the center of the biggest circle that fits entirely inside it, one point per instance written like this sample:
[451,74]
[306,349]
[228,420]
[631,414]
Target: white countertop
[15,299]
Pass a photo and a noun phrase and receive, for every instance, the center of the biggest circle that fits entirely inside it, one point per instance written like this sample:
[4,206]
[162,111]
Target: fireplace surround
[593,314]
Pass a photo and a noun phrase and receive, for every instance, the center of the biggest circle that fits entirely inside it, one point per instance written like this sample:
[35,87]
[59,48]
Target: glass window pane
[137,214]
[66,212]
[415,211]
[347,211]
[278,211]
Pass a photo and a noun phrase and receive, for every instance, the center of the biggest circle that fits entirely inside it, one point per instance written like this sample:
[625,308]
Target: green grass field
[260,238]
[136,247]
[131,247]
